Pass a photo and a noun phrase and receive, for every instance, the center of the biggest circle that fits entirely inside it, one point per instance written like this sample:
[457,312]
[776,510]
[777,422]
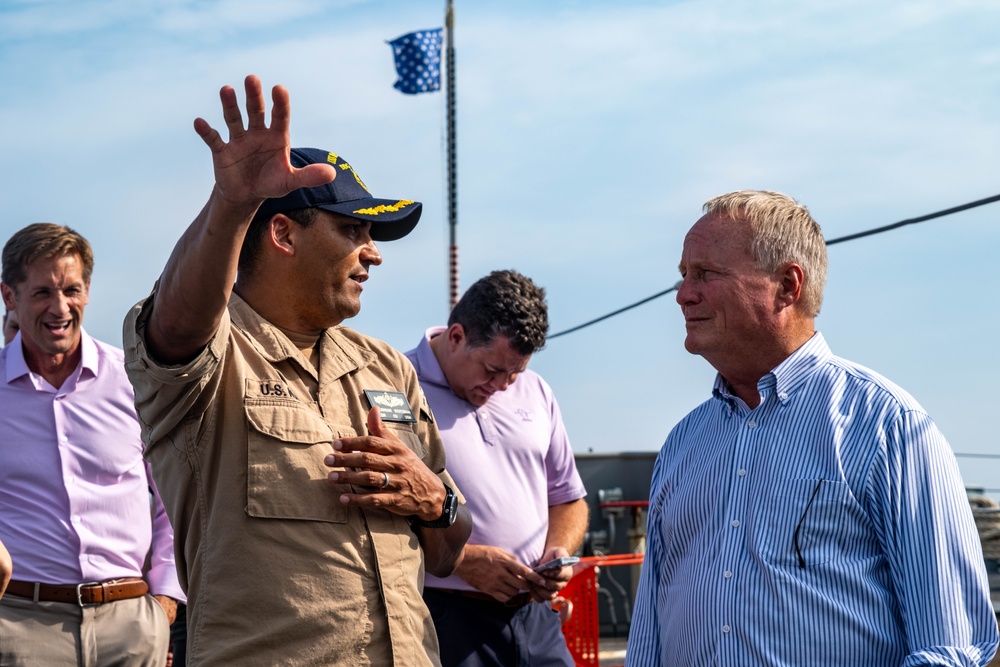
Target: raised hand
[199,276]
[254,165]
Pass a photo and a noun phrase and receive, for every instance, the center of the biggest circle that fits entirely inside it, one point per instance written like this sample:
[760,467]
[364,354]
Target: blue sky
[590,133]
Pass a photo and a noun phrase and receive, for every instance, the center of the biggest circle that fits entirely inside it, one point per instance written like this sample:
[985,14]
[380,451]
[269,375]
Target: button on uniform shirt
[827,526]
[74,489]
[511,455]
[277,570]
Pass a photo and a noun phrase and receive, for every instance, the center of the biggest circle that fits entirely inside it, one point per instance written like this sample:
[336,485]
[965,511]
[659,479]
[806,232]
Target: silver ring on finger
[385,480]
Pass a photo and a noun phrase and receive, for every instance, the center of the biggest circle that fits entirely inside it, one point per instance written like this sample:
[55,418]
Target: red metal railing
[582,630]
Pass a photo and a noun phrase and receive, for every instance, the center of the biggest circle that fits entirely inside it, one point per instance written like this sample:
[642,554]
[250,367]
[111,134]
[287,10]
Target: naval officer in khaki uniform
[304,517]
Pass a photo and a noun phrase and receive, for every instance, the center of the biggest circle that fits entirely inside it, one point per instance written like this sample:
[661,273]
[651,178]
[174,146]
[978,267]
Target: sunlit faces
[333,255]
[48,306]
[728,303]
[476,373]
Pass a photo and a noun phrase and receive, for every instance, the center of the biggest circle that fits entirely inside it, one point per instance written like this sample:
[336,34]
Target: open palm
[254,165]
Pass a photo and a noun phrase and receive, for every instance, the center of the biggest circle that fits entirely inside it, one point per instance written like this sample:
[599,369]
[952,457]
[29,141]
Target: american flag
[418,61]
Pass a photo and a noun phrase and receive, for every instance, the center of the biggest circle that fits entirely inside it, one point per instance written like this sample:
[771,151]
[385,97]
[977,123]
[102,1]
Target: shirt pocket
[286,476]
[661,512]
[807,518]
[408,435]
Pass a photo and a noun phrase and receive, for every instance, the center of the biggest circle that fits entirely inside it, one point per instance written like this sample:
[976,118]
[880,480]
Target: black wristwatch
[449,510]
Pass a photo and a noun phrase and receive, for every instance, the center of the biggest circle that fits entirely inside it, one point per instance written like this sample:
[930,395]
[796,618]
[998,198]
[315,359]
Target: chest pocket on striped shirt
[827,526]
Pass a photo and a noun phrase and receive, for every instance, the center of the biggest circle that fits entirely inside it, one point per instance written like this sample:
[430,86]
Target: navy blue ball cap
[346,195]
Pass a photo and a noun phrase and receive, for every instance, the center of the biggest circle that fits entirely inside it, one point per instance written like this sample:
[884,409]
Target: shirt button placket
[737,507]
[735,523]
[728,574]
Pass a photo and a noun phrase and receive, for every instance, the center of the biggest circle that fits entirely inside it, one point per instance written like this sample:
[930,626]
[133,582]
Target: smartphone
[556,563]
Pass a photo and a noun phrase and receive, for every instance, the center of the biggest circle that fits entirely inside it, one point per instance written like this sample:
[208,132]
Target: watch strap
[449,510]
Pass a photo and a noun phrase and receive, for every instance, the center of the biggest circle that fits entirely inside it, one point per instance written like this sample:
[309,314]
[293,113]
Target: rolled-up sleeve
[165,394]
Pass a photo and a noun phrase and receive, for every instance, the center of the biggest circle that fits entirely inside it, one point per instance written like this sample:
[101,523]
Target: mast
[453,289]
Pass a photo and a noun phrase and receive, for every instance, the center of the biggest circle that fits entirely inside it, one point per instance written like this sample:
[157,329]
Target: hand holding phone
[556,563]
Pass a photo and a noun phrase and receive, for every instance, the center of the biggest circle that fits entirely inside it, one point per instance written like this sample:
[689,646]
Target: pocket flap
[288,421]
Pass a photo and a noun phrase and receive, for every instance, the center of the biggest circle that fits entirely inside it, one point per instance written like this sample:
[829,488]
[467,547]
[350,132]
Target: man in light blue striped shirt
[809,512]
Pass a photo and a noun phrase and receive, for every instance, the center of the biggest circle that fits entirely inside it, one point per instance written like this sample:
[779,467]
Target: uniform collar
[344,357]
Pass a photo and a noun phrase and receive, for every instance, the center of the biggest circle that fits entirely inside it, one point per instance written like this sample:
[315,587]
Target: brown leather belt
[518,600]
[97,592]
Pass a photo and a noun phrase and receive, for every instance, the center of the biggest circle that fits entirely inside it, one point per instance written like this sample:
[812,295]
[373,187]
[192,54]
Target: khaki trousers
[125,633]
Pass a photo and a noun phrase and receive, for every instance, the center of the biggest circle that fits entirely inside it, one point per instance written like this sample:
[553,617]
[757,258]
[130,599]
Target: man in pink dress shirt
[74,489]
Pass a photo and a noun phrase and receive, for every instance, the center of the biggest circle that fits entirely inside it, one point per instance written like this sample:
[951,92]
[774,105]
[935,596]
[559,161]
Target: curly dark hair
[504,303]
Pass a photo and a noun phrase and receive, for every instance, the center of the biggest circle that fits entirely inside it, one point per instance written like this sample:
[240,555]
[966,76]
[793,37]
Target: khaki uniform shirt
[276,569]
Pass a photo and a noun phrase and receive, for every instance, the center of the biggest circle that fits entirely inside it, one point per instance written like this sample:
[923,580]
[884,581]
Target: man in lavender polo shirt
[508,451]
[74,491]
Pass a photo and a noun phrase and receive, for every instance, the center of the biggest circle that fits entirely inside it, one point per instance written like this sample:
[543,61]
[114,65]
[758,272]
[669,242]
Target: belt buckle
[79,593]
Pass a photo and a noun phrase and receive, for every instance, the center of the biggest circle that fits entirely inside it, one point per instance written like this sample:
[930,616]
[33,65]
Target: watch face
[450,505]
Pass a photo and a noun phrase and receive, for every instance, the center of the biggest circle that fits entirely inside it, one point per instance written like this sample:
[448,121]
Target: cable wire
[840,239]
[910,221]
[617,312]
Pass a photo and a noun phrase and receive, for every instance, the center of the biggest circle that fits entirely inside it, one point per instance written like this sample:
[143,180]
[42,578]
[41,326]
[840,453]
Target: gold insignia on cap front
[385,208]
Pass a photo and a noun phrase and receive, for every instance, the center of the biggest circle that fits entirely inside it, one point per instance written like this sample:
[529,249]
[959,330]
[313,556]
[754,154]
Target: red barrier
[582,630]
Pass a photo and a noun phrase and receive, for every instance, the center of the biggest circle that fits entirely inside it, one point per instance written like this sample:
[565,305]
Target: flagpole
[453,289]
